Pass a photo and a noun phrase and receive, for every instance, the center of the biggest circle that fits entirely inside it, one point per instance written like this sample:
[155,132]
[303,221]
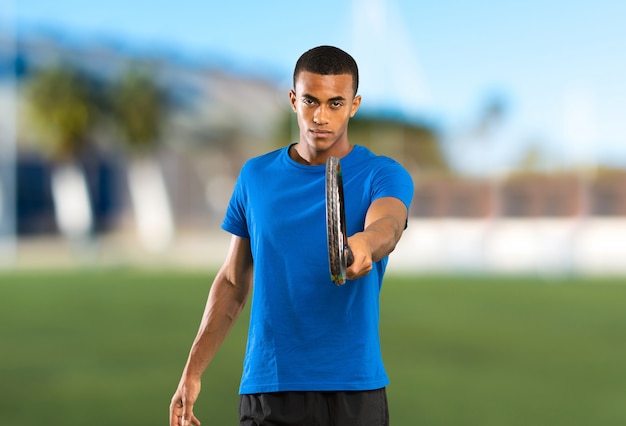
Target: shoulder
[257,164]
[364,158]
[383,175]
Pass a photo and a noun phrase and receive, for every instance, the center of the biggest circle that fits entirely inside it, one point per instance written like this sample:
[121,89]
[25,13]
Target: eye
[336,104]
[308,101]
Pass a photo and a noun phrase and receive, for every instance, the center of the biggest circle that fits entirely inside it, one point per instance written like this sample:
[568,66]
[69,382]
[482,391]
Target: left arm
[384,223]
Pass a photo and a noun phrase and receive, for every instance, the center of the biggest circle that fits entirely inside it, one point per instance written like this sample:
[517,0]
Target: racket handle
[349,255]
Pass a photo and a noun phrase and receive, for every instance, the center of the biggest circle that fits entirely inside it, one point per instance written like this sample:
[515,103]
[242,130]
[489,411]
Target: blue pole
[8,117]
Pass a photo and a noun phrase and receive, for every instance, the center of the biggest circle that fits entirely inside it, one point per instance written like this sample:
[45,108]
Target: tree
[62,104]
[415,145]
[139,107]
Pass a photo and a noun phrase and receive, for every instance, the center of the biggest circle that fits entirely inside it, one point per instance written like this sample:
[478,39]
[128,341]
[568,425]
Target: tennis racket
[339,254]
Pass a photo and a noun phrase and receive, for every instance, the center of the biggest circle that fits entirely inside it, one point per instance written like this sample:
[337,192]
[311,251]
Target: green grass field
[107,348]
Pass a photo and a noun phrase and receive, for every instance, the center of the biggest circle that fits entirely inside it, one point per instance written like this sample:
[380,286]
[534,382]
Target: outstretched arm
[226,300]
[384,223]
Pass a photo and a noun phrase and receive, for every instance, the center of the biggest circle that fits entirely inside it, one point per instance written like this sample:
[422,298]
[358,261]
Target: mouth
[321,133]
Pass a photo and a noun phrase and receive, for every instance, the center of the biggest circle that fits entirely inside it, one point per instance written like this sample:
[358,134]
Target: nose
[319,117]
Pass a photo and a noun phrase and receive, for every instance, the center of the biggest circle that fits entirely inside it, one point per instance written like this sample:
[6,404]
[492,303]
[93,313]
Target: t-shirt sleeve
[235,220]
[393,180]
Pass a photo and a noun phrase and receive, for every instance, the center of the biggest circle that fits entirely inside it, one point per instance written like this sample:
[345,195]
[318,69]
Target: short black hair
[327,60]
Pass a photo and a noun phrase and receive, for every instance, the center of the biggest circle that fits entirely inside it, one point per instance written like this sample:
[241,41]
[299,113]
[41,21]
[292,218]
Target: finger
[176,412]
[349,256]
[189,420]
[359,268]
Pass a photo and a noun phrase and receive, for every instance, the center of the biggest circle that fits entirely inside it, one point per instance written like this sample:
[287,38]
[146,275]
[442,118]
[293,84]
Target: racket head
[339,253]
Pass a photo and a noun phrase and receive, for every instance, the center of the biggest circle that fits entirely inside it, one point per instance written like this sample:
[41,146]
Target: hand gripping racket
[339,254]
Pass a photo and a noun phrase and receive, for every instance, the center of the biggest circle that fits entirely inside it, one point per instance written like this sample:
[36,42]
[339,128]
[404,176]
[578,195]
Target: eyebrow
[313,98]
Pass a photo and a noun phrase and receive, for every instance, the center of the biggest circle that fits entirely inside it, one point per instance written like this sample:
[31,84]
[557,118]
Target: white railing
[586,246]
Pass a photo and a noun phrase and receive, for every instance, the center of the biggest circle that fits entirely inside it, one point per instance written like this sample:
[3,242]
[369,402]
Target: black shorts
[354,408]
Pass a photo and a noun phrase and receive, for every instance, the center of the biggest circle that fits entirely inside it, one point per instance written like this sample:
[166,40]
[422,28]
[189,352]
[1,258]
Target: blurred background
[124,127]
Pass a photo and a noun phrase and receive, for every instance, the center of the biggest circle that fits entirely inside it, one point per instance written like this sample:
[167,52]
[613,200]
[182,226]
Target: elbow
[237,283]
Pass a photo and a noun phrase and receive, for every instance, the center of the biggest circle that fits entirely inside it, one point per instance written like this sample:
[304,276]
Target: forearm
[384,224]
[225,302]
[382,236]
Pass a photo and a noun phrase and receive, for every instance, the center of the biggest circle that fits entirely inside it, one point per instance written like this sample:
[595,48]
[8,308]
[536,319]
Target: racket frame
[339,253]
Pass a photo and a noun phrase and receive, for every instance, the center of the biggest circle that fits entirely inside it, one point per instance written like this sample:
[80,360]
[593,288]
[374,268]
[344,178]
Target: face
[324,104]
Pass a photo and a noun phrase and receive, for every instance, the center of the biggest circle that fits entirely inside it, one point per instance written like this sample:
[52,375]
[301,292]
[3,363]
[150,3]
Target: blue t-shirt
[306,333]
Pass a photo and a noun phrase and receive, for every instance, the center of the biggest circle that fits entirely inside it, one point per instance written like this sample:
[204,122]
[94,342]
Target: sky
[553,71]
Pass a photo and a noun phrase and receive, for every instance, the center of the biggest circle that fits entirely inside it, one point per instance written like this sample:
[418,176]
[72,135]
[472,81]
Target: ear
[292,100]
[356,103]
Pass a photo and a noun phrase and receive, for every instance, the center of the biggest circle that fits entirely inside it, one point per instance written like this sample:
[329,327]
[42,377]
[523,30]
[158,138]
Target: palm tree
[139,107]
[61,106]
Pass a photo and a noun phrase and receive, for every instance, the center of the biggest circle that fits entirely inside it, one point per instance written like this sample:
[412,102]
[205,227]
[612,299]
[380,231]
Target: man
[313,354]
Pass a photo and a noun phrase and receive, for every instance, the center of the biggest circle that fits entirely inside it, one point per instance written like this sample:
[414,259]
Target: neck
[314,158]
